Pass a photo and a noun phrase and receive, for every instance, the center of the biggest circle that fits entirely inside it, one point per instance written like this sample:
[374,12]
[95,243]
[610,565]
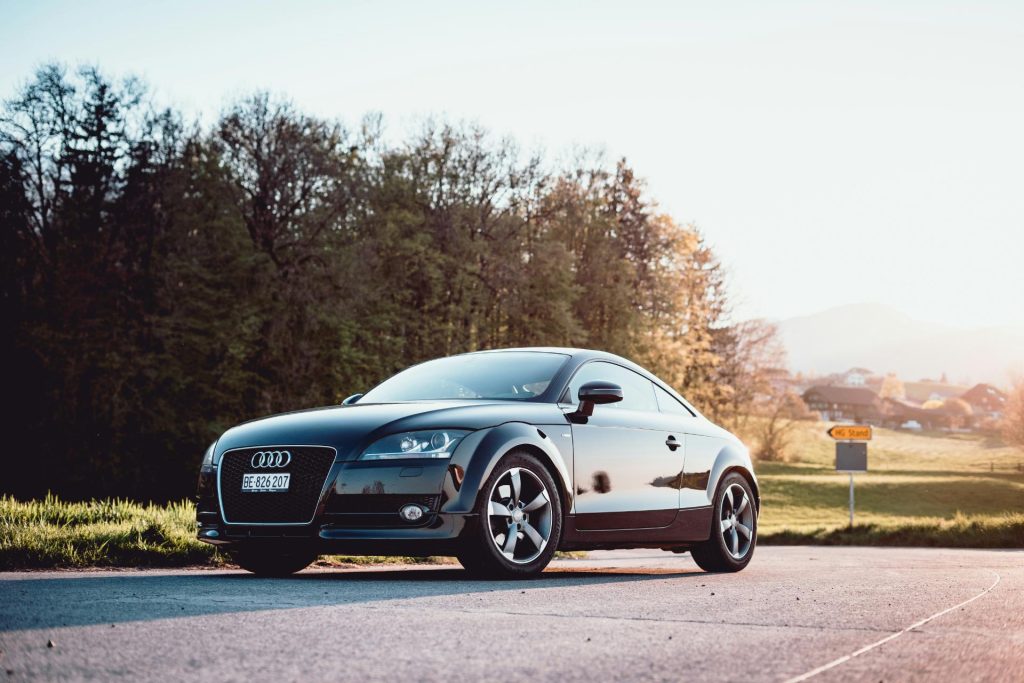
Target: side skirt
[692,525]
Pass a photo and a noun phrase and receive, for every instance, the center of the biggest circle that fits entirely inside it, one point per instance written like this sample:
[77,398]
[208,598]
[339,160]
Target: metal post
[851,500]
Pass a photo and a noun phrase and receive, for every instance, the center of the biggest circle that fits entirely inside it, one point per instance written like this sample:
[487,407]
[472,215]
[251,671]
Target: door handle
[672,443]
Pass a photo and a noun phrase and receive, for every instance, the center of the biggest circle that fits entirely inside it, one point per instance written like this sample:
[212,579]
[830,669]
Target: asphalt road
[624,615]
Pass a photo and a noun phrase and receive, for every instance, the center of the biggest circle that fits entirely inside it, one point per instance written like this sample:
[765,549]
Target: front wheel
[272,561]
[518,520]
[733,528]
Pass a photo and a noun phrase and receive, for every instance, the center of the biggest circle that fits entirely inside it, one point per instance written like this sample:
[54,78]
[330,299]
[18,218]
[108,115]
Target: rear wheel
[518,522]
[272,561]
[733,528]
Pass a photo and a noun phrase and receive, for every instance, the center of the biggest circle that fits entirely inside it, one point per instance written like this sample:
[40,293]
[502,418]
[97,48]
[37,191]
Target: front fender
[479,452]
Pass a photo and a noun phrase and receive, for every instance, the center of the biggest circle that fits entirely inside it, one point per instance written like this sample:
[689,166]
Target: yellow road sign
[850,432]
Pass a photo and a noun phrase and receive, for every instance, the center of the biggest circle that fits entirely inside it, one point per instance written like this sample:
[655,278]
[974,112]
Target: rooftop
[848,395]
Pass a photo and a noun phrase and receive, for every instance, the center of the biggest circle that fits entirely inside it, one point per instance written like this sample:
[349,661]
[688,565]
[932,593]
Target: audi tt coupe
[496,457]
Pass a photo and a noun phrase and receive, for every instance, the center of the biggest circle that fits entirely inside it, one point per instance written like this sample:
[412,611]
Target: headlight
[208,457]
[434,443]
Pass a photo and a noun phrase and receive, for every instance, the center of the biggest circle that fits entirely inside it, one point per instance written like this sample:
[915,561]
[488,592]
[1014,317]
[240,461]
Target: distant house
[844,404]
[856,377]
[949,414]
[931,390]
[986,400]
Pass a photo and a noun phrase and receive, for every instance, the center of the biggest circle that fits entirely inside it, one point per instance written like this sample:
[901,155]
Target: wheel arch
[748,475]
[546,461]
[732,458]
[482,454]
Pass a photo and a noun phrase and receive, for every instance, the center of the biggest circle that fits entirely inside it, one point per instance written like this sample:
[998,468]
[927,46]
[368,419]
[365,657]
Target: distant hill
[883,340]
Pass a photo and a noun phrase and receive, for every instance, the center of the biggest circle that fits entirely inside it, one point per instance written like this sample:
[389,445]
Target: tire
[534,511]
[271,561]
[729,549]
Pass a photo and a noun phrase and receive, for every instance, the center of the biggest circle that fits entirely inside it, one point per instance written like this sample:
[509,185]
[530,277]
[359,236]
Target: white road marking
[845,658]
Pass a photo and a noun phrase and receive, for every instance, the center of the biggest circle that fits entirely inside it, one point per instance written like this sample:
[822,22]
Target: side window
[637,391]
[668,403]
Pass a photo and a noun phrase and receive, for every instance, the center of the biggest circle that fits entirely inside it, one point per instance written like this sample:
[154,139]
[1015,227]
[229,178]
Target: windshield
[512,375]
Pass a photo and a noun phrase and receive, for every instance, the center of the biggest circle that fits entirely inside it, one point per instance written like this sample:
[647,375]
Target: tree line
[163,280]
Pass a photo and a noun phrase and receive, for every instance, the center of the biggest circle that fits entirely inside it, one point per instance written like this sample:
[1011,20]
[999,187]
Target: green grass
[920,489]
[51,533]
[109,533]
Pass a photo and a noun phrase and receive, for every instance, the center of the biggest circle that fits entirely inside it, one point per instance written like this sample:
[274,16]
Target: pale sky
[832,153]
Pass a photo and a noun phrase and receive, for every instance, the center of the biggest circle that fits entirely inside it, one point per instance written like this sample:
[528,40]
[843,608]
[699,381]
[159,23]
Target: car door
[701,450]
[626,461]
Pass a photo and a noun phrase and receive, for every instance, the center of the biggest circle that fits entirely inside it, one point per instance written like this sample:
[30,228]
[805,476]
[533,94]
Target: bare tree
[751,371]
[781,418]
[290,173]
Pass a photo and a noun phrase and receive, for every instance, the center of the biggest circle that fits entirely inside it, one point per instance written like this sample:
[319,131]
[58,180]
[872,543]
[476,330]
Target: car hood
[350,429]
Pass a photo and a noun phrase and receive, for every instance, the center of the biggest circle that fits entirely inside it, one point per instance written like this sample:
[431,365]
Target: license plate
[265,483]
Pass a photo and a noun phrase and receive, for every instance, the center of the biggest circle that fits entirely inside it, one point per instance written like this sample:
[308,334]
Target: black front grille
[309,468]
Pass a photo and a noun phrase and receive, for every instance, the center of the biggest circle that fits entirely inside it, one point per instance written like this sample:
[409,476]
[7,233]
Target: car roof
[577,353]
[566,350]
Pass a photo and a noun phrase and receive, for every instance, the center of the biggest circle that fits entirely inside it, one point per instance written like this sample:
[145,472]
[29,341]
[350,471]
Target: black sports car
[497,457]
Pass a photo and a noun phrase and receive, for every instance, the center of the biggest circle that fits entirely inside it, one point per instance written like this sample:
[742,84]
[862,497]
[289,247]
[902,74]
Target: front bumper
[357,513]
[441,537]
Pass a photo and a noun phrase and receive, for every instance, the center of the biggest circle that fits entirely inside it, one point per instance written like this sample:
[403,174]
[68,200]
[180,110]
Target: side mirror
[351,399]
[598,392]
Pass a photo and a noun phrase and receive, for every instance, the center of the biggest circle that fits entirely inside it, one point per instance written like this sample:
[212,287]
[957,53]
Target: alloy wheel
[736,521]
[519,515]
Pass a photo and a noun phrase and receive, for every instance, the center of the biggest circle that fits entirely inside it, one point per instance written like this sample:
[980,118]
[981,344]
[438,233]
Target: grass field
[921,489]
[53,533]
[116,533]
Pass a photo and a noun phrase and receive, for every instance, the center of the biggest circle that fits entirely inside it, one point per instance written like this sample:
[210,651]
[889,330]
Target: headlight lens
[208,457]
[433,443]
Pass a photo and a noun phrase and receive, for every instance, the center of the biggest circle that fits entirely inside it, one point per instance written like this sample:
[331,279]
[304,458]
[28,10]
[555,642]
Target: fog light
[212,533]
[411,513]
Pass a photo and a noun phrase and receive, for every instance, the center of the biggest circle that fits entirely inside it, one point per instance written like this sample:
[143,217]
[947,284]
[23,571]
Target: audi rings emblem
[263,459]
